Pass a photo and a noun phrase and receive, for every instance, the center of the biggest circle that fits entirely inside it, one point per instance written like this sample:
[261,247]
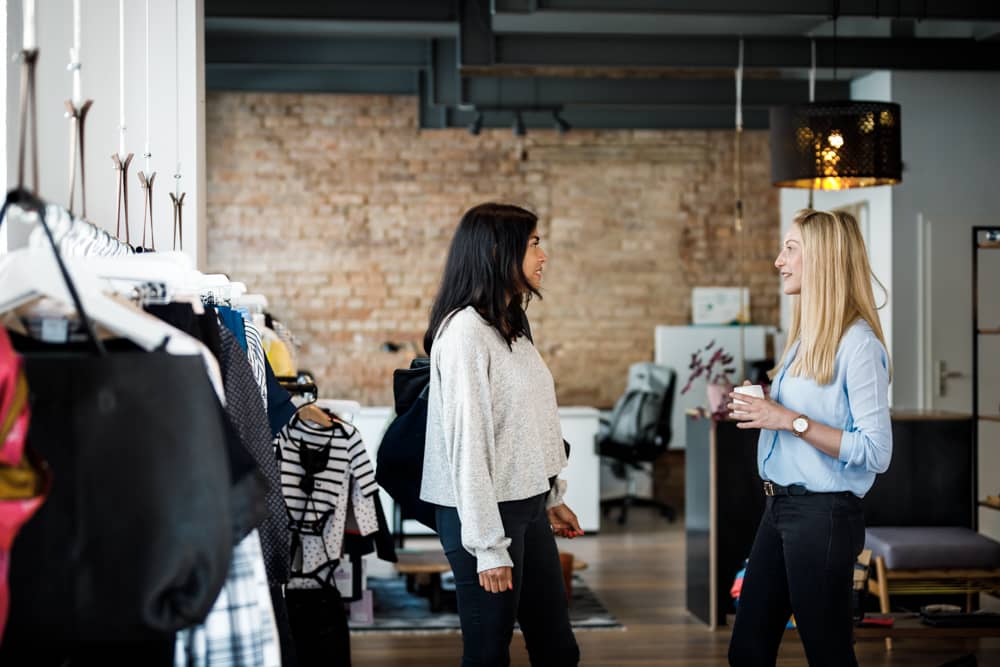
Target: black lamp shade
[836,145]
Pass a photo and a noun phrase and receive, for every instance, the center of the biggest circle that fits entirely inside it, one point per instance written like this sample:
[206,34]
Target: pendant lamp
[836,145]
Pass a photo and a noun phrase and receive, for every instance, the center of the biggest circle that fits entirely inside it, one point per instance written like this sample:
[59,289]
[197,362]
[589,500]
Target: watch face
[800,424]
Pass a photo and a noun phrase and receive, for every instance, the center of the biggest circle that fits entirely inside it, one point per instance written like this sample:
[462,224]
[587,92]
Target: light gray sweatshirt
[493,432]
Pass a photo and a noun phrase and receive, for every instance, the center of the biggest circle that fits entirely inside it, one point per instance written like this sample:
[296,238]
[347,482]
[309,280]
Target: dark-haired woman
[494,444]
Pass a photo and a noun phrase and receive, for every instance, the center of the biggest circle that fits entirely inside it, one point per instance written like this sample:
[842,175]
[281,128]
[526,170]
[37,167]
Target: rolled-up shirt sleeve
[867,441]
[557,494]
[467,414]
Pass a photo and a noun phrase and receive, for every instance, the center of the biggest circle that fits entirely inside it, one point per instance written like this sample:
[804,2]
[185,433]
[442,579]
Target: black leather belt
[772,489]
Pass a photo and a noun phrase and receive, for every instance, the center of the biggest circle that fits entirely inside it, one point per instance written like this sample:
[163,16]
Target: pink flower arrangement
[716,370]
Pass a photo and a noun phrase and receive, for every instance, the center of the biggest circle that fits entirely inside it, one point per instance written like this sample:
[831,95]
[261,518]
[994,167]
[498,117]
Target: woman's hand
[497,580]
[753,412]
[564,522]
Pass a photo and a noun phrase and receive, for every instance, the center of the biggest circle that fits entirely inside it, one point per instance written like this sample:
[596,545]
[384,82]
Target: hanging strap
[78,116]
[28,113]
[29,202]
[122,168]
[146,182]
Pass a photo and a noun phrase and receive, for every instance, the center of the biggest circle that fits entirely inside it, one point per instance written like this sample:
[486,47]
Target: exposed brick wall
[340,210]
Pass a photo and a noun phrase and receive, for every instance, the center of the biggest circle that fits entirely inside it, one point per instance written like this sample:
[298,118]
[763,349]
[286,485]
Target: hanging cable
[77,110]
[120,159]
[738,212]
[739,141]
[147,154]
[146,177]
[177,197]
[812,90]
[812,71]
[121,79]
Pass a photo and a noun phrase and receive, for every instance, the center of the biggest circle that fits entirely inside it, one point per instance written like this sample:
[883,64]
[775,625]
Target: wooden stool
[570,564]
[423,570]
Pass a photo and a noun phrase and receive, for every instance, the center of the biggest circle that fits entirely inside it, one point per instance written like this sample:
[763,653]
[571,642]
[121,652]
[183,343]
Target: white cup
[754,390]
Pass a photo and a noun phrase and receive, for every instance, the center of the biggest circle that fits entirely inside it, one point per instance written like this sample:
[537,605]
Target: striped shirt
[255,353]
[316,465]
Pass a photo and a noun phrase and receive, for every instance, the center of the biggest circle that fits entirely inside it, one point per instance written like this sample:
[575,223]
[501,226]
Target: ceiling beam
[638,93]
[252,28]
[351,10]
[306,79]
[346,52]
[686,118]
[975,10]
[760,52]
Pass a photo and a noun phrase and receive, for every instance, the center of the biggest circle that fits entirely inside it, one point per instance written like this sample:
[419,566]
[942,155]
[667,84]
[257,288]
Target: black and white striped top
[317,464]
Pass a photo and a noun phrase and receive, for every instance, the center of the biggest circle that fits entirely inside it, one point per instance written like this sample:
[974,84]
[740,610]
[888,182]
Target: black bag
[134,540]
[400,460]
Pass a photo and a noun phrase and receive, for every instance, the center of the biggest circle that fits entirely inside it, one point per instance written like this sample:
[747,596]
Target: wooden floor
[639,574]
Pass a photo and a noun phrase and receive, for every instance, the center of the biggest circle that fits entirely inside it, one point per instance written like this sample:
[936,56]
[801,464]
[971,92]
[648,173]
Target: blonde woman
[824,435]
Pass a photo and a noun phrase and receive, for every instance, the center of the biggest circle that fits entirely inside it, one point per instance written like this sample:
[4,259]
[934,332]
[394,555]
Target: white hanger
[33,272]
[127,271]
[255,303]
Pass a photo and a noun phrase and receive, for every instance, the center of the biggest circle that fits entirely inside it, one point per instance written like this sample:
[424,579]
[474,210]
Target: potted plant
[717,372]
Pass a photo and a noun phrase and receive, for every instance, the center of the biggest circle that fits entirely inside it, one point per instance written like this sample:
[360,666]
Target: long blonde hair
[836,292]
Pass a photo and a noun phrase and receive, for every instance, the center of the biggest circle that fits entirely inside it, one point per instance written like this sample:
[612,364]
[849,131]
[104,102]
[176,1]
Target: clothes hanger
[28,274]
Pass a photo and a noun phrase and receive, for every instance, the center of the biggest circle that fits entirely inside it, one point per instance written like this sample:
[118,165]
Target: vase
[718,395]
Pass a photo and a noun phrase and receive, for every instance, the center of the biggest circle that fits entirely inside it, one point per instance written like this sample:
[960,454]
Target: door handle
[943,375]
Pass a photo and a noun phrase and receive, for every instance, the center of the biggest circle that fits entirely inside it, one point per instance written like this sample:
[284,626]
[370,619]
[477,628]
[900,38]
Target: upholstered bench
[930,560]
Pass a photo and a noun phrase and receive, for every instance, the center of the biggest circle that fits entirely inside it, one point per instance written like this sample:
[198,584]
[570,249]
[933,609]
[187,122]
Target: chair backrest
[642,416]
[664,425]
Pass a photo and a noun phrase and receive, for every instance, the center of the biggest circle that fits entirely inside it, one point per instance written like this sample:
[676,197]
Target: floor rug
[396,610]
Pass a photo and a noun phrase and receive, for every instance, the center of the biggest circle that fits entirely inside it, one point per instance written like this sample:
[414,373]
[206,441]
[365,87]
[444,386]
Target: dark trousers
[537,603]
[802,562]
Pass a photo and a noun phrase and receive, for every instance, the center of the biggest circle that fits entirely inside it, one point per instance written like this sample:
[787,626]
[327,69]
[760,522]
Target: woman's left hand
[564,522]
[753,412]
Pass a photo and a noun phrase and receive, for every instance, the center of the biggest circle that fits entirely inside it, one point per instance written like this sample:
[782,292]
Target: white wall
[950,159]
[99,51]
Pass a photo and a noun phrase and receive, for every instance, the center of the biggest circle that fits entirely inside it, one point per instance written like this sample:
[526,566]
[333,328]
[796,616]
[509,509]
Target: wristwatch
[800,425]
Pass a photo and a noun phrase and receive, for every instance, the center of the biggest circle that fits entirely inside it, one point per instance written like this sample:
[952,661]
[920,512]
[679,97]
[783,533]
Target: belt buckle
[768,488]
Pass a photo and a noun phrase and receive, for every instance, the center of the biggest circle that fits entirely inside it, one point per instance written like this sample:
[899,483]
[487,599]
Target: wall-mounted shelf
[990,418]
[989,332]
[989,245]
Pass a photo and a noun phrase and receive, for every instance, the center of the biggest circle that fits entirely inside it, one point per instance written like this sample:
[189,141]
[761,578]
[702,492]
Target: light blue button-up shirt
[856,401]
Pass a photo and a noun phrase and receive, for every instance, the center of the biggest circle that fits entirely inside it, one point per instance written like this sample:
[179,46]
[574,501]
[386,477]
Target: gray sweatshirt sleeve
[467,419]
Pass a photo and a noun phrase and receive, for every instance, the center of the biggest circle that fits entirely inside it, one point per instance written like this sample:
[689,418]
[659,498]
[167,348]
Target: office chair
[629,456]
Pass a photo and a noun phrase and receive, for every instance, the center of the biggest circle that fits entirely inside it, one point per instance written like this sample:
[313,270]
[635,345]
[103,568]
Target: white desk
[579,425]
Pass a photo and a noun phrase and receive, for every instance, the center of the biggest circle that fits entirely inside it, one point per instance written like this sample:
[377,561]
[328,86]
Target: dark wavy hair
[485,269]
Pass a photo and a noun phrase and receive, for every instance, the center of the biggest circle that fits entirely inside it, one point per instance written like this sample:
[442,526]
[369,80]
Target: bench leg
[435,592]
[883,593]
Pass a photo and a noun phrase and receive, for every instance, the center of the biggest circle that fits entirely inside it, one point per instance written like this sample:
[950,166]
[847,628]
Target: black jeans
[538,601]
[802,562]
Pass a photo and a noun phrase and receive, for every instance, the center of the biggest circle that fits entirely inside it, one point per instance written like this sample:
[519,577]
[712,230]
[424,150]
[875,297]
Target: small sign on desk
[720,305]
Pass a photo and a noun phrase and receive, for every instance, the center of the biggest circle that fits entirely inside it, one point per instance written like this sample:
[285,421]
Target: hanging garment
[133,542]
[248,484]
[258,362]
[247,415]
[280,408]
[278,354]
[235,323]
[23,479]
[324,472]
[322,636]
[240,630]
